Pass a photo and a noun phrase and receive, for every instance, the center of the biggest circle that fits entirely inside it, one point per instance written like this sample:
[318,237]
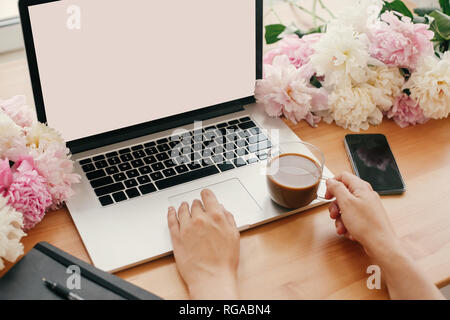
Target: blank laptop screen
[106,65]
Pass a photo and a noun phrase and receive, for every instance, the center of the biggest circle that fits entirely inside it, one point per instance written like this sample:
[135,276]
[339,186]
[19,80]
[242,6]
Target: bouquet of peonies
[372,60]
[35,173]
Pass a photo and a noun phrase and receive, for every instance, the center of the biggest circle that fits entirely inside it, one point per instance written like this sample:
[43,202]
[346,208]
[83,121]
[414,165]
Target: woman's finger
[334,210]
[183,214]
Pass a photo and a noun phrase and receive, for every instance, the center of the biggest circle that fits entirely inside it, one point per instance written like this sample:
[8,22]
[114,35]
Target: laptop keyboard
[163,163]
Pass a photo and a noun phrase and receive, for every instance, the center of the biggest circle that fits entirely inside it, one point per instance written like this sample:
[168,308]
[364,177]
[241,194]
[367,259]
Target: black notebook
[24,280]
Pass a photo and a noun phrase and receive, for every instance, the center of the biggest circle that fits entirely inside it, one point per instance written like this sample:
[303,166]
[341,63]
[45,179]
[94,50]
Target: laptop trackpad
[234,197]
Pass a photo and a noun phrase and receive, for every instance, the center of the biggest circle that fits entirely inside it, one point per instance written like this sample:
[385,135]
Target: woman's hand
[359,213]
[206,247]
[360,216]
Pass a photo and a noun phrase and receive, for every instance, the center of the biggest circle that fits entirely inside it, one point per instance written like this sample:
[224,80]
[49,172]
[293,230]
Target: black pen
[61,290]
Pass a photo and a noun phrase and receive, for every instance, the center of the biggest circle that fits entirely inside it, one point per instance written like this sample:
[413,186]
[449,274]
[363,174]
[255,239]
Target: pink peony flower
[54,164]
[17,109]
[399,43]
[297,49]
[28,193]
[406,111]
[5,175]
[285,91]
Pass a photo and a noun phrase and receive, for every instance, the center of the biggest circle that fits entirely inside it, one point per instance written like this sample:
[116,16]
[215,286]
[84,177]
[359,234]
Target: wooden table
[301,257]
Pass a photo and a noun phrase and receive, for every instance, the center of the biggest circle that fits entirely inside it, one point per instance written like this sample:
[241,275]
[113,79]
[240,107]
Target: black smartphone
[372,160]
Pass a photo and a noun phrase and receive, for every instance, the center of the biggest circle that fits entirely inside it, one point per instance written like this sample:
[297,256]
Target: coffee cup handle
[323,198]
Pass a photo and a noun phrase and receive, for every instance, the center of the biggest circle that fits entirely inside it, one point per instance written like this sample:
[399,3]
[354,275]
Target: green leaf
[299,33]
[440,26]
[315,82]
[273,31]
[422,12]
[445,5]
[397,6]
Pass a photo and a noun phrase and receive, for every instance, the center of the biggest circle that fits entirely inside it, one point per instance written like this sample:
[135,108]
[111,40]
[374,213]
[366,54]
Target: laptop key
[120,177]
[123,151]
[85,161]
[105,200]
[114,160]
[233,122]
[162,156]
[206,162]
[194,165]
[132,193]
[126,157]
[245,119]
[119,196]
[124,166]
[88,167]
[241,152]
[95,174]
[101,182]
[150,144]
[225,166]
[131,183]
[252,160]
[262,155]
[259,146]
[186,177]
[246,125]
[169,172]
[147,188]
[150,160]
[151,151]
[239,162]
[112,154]
[144,179]
[218,158]
[132,173]
[157,166]
[139,154]
[101,164]
[145,170]
[241,143]
[112,170]
[163,147]
[162,141]
[97,158]
[169,163]
[222,125]
[137,163]
[229,155]
[244,134]
[181,169]
[156,176]
[109,189]
[137,147]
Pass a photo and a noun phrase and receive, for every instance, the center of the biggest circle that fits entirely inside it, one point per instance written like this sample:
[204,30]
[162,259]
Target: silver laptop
[155,99]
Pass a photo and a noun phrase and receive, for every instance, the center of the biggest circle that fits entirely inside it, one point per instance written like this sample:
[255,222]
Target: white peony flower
[11,223]
[387,83]
[359,15]
[430,86]
[41,135]
[353,107]
[12,139]
[341,56]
